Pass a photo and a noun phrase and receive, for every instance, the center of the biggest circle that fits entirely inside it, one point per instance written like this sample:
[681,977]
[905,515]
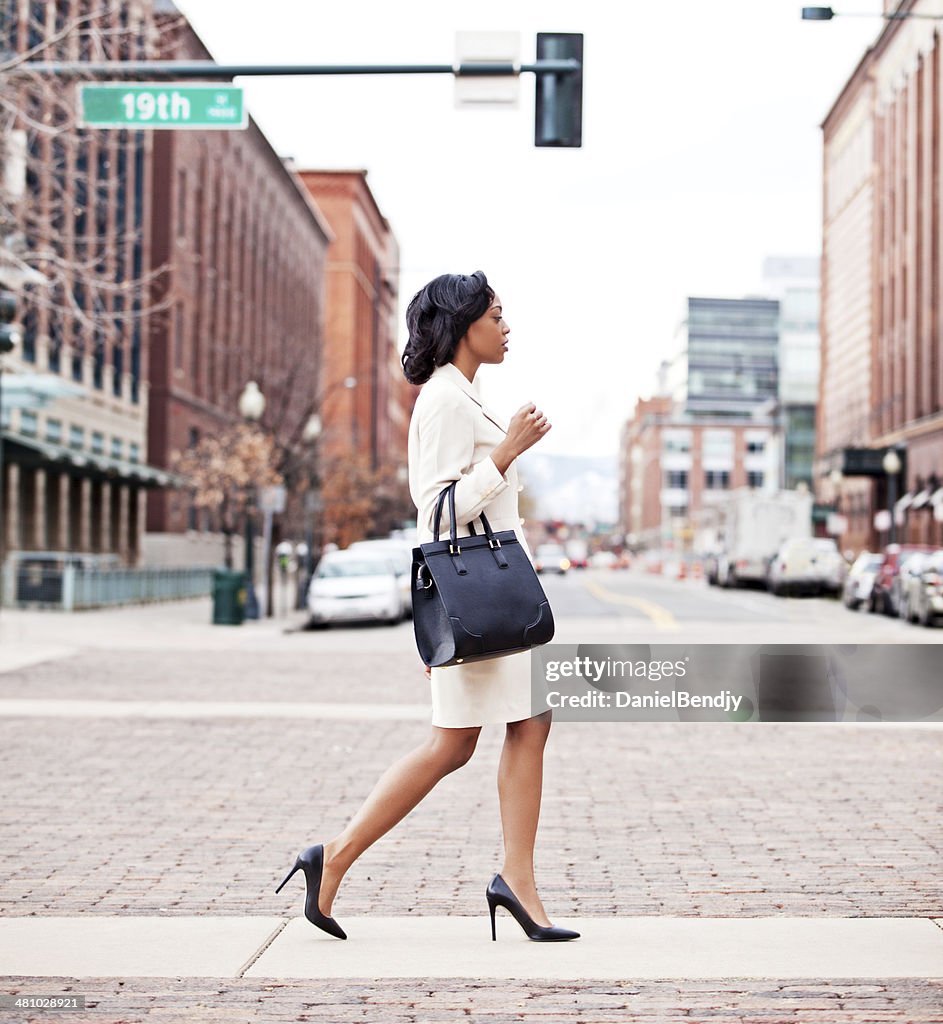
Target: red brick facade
[244,248]
[372,418]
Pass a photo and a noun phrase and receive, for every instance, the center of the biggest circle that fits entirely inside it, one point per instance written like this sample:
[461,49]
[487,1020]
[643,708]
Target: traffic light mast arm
[169,69]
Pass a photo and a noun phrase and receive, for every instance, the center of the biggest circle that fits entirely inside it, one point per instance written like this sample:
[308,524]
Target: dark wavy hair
[438,317]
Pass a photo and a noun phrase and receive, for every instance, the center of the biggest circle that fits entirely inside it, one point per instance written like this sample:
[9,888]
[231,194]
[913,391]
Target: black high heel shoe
[499,895]
[311,861]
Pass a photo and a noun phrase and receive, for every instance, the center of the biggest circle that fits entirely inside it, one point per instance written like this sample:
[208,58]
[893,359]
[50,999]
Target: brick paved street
[147,816]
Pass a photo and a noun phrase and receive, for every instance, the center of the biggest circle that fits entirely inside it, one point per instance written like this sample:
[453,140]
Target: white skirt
[488,692]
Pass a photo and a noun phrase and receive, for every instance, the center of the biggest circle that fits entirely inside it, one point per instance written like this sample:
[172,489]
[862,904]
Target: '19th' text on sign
[121,105]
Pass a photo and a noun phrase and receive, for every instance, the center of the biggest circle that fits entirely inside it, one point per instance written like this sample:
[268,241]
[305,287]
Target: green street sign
[153,105]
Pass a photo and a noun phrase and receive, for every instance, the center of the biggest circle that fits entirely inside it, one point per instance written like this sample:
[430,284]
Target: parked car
[603,560]
[402,554]
[551,558]
[355,585]
[860,579]
[922,588]
[885,594]
[806,565]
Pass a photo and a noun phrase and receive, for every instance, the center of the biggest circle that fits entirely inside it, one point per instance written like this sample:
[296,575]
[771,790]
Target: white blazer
[451,436]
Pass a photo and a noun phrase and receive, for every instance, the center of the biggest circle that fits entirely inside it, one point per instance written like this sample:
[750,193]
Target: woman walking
[456,323]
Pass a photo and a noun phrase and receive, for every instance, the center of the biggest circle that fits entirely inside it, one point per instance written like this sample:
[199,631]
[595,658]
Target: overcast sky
[701,156]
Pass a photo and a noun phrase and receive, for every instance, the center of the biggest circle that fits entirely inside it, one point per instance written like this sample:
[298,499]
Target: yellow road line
[660,616]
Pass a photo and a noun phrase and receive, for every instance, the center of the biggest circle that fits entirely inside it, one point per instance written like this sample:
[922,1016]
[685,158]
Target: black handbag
[475,597]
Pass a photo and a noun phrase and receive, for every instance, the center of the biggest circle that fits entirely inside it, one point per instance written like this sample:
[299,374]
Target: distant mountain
[576,488]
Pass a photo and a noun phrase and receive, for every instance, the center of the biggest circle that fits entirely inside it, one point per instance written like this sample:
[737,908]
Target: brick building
[371,418]
[882,317]
[75,476]
[673,464]
[244,249]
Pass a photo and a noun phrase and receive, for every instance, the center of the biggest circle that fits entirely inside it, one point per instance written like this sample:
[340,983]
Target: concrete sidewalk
[616,948]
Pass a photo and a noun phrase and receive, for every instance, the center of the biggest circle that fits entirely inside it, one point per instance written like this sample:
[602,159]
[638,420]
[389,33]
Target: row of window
[714,479]
[29,427]
[722,445]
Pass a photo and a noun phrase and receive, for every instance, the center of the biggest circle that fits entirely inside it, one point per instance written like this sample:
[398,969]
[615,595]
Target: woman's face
[486,338]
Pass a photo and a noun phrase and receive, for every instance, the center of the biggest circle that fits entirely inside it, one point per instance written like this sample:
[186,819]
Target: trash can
[229,597]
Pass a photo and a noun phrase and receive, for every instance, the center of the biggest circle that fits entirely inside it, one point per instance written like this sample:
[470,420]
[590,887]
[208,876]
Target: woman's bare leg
[395,794]
[520,780]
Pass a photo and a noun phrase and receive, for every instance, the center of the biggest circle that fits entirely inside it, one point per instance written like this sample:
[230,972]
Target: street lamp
[10,337]
[835,479]
[891,465]
[309,436]
[251,407]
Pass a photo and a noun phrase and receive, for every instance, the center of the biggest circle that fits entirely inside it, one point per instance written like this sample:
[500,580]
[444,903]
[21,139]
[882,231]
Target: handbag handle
[449,492]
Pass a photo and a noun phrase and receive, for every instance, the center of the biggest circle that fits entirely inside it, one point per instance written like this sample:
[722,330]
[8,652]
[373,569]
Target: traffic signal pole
[558,71]
[166,69]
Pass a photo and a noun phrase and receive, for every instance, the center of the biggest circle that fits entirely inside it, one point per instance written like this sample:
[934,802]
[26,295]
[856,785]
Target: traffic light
[9,334]
[559,106]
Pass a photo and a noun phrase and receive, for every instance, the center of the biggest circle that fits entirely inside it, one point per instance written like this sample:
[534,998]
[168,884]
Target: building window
[117,448]
[54,431]
[678,511]
[28,422]
[76,437]
[756,447]
[134,452]
[194,437]
[181,202]
[716,479]
[718,444]
[754,478]
[178,337]
[676,478]
[98,442]
[676,441]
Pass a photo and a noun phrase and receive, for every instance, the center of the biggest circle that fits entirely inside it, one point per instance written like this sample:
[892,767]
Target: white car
[551,558]
[922,588]
[401,552]
[860,579]
[352,585]
[807,564]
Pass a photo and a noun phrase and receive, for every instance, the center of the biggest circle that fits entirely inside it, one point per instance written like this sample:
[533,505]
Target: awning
[57,454]
[936,498]
[36,390]
[921,499]
[902,504]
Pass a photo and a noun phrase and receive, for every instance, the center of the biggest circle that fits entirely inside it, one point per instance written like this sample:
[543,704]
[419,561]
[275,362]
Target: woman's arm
[446,449]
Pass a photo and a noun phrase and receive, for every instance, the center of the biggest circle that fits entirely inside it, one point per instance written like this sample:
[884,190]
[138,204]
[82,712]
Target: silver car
[401,552]
[922,588]
[350,586]
[807,565]
[860,579]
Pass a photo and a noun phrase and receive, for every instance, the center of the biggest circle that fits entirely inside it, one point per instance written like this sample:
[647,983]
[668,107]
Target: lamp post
[251,407]
[10,337]
[891,465]
[309,437]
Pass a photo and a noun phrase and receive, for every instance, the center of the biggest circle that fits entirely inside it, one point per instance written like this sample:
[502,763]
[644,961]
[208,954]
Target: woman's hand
[528,425]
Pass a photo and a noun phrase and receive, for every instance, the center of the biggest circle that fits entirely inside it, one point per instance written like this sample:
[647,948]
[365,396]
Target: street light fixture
[826,14]
[251,402]
[891,465]
[251,407]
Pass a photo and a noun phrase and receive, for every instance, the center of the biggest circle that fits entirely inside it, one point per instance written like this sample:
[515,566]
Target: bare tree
[72,217]
[224,471]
